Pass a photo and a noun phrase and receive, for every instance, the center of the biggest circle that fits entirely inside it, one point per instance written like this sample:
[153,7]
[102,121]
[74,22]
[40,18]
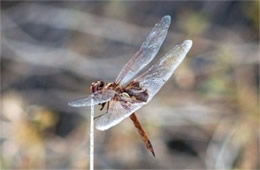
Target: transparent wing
[117,112]
[98,97]
[147,51]
[152,80]
[155,77]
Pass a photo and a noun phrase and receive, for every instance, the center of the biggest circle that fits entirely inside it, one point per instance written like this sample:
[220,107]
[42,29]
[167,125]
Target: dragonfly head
[96,86]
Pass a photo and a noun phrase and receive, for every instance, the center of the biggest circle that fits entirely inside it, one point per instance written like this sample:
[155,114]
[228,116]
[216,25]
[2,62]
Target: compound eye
[101,84]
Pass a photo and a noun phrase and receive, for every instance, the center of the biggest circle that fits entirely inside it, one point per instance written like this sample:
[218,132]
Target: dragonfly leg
[98,116]
[107,106]
[102,106]
[141,131]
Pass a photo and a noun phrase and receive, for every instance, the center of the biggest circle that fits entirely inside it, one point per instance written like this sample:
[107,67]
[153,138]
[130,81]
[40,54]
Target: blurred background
[205,117]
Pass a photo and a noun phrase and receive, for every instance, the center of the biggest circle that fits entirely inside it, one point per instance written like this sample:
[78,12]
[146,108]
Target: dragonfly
[129,92]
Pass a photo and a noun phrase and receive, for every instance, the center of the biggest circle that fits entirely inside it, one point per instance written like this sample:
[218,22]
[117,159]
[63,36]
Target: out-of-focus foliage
[205,117]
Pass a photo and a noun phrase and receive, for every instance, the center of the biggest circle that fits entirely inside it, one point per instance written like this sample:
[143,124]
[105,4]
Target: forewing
[155,77]
[117,112]
[101,96]
[147,51]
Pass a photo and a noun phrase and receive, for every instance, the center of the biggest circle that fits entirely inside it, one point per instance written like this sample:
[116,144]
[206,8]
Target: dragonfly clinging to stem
[129,93]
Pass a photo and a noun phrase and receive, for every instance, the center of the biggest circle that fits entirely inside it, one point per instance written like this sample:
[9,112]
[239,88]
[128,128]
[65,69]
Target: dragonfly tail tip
[153,154]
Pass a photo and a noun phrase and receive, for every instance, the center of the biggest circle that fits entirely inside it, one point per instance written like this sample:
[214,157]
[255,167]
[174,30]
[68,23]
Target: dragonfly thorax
[101,85]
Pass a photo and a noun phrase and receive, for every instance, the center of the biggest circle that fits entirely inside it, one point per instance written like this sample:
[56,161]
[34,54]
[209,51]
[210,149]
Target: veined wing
[152,80]
[147,51]
[101,96]
[155,77]
[117,112]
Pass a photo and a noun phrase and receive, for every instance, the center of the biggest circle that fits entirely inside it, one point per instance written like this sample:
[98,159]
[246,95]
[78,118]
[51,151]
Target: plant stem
[91,158]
